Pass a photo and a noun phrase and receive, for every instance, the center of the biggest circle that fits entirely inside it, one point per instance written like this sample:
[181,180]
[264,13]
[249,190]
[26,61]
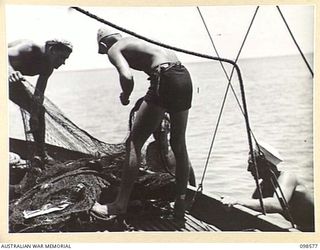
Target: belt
[166,65]
[156,73]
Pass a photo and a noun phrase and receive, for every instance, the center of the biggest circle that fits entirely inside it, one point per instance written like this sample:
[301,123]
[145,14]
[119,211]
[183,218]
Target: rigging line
[228,77]
[212,43]
[282,200]
[194,54]
[245,114]
[256,176]
[294,40]
[214,136]
[223,102]
[241,47]
[237,57]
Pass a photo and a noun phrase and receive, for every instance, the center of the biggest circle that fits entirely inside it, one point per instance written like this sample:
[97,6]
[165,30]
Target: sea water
[279,95]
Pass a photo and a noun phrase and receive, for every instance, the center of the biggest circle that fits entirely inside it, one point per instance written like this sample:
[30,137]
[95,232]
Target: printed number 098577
[308,246]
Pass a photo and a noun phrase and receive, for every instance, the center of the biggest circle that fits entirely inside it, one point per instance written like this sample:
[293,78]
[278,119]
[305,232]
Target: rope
[256,176]
[228,77]
[194,54]
[294,40]
[87,13]
[282,200]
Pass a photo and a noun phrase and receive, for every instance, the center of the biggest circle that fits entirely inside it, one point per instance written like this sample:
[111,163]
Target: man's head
[58,50]
[106,37]
[267,159]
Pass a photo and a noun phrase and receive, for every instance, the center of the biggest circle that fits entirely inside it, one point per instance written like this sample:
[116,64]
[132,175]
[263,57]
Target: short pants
[170,87]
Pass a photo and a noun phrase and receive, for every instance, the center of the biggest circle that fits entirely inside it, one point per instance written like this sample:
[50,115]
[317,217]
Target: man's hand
[124,99]
[229,202]
[15,76]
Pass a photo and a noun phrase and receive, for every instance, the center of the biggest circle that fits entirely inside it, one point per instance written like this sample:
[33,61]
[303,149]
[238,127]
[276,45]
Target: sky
[177,26]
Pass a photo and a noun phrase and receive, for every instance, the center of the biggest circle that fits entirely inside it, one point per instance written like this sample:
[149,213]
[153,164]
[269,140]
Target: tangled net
[57,196]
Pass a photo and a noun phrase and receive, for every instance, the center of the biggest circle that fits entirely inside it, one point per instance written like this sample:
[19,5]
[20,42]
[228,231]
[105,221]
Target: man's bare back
[28,58]
[141,55]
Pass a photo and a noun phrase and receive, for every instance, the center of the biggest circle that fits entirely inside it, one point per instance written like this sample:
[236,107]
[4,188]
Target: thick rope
[87,13]
[295,42]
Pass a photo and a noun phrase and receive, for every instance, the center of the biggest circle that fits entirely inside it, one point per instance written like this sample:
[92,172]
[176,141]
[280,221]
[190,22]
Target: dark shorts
[170,88]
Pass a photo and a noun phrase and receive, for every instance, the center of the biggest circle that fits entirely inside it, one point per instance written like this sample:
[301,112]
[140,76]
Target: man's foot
[106,212]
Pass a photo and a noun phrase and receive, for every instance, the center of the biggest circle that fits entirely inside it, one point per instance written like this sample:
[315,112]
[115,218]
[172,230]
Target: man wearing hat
[170,91]
[28,58]
[286,185]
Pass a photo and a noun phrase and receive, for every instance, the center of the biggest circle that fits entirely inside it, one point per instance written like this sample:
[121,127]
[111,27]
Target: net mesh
[58,196]
[62,132]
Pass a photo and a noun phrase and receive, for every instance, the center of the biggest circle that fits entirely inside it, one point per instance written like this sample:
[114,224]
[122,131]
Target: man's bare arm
[287,182]
[41,87]
[125,74]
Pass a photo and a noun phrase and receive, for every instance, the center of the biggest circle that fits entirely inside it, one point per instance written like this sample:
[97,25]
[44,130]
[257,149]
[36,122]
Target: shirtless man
[170,91]
[299,199]
[27,58]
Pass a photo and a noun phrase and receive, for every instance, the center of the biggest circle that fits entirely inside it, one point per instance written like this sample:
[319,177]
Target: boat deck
[167,224]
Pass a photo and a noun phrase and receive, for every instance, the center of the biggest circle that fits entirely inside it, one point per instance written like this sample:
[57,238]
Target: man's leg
[21,96]
[178,144]
[147,120]
[192,176]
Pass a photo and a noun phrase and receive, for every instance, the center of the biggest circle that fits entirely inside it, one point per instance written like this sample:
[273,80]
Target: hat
[270,153]
[104,32]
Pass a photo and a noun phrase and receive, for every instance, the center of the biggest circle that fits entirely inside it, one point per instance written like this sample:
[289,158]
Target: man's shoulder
[25,45]
[32,45]
[129,40]
[26,42]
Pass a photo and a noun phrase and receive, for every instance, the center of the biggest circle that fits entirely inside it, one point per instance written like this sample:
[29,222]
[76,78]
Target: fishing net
[62,132]
[59,198]
[56,196]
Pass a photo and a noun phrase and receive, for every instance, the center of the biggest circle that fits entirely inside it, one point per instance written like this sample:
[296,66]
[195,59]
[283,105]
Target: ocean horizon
[279,94]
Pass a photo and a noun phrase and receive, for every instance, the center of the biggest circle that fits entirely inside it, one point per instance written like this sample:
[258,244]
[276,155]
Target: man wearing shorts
[28,58]
[170,91]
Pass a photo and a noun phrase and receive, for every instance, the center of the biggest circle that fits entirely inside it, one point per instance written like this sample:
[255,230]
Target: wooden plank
[210,209]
